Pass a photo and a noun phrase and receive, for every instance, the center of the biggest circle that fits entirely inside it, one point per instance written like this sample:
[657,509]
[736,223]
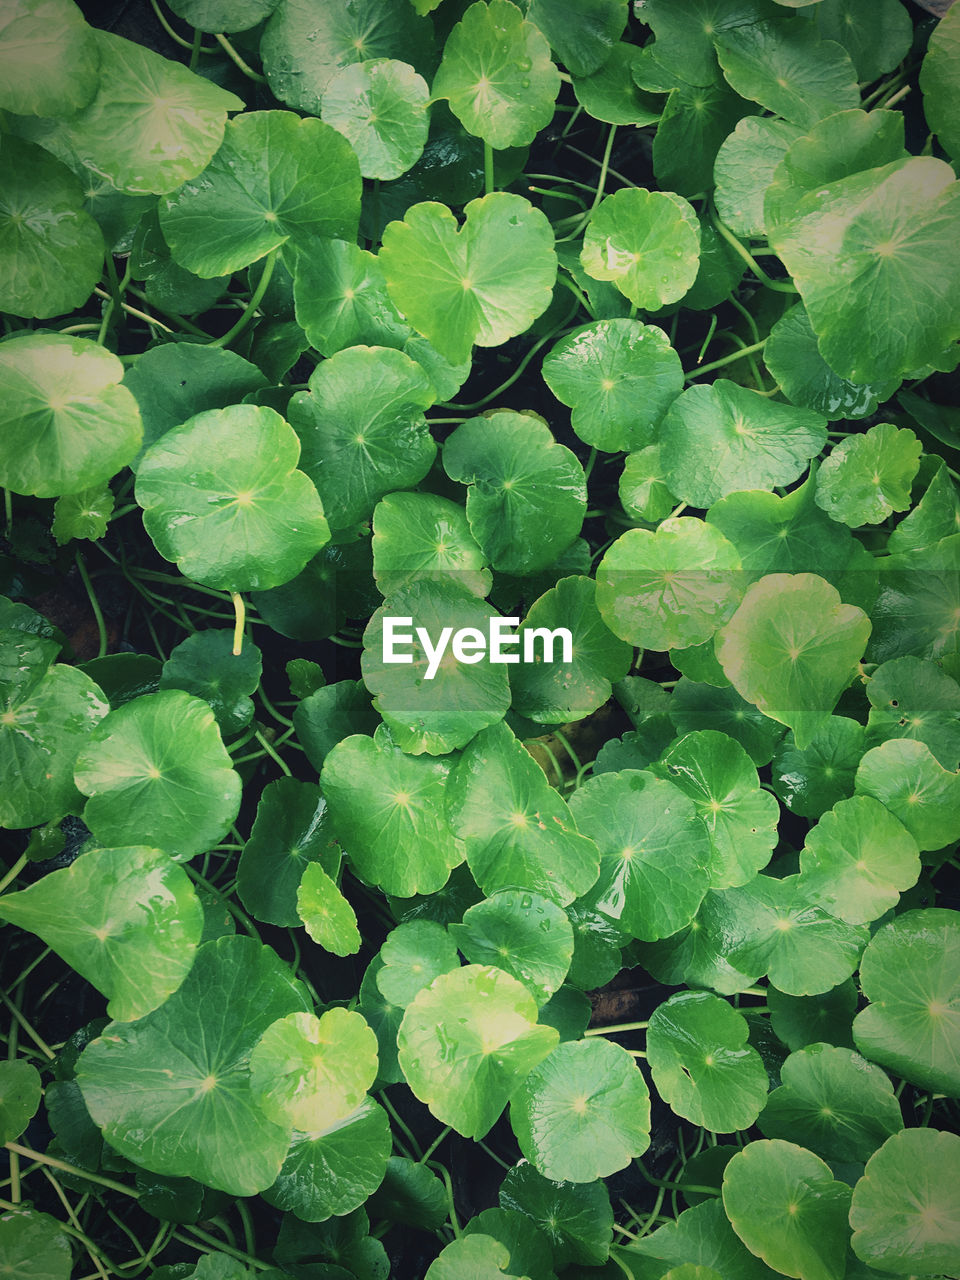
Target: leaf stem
[68,1207]
[240,616]
[434,1144]
[268,748]
[255,299]
[725,360]
[54,1163]
[214,1244]
[184,44]
[232,54]
[34,1035]
[94,605]
[14,871]
[132,311]
[615,1028]
[489,180]
[781,286]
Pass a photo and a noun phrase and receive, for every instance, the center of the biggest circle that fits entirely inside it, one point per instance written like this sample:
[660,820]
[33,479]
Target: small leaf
[583,34]
[686,31]
[33,1246]
[478,1256]
[576,1218]
[609,93]
[743,170]
[907,778]
[527,935]
[20,1091]
[291,830]
[811,781]
[867,477]
[205,665]
[329,918]
[340,297]
[413,955]
[423,535]
[646,242]
[82,515]
[380,107]
[643,489]
[223,15]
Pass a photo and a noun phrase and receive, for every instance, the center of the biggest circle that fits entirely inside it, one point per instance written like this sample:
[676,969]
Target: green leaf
[646,242]
[172,1091]
[743,170]
[911,698]
[82,515]
[413,955]
[67,424]
[867,477]
[904,1213]
[770,927]
[583,1113]
[910,973]
[476,1257]
[794,359]
[480,283]
[467,1041]
[916,612]
[303,45]
[939,81]
[51,250]
[609,92]
[335,585]
[497,74]
[174,382]
[555,693]
[720,438]
[313,1072]
[20,1091]
[518,832]
[127,920]
[530,1251]
[291,831]
[223,15]
[857,860]
[46,716]
[871,256]
[34,1247]
[877,34]
[362,429]
[421,535]
[275,179]
[222,497]
[838,1105]
[792,648]
[205,665]
[936,516]
[785,1206]
[802,1020]
[527,494]
[788,69]
[380,107]
[329,918]
[687,29]
[330,714]
[654,851]
[643,489]
[584,34]
[49,60]
[701,1236]
[382,801]
[410,1194]
[671,587]
[619,377]
[701,1063]
[525,934]
[694,123]
[696,705]
[156,769]
[905,776]
[575,1217]
[341,298]
[152,124]
[741,818]
[332,1173]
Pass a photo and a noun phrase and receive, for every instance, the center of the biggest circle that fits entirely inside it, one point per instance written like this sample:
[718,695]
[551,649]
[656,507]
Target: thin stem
[445,1179]
[214,1243]
[719,364]
[599,190]
[489,181]
[34,1035]
[268,748]
[232,54]
[88,1244]
[132,311]
[94,605]
[434,1144]
[184,44]
[256,298]
[707,340]
[400,1123]
[615,1028]
[54,1163]
[240,615]
[781,286]
[14,871]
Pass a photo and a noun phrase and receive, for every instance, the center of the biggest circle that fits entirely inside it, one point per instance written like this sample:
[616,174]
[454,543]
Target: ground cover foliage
[640,321]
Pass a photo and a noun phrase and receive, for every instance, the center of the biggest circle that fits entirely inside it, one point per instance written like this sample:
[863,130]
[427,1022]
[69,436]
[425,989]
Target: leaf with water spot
[906,777]
[867,477]
[646,242]
[526,934]
[327,916]
[413,955]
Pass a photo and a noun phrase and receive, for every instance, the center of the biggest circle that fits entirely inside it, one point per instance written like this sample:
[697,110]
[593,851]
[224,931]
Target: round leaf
[702,1237]
[609,93]
[205,665]
[525,934]
[413,955]
[857,860]
[329,918]
[291,830]
[810,782]
[223,15]
[362,429]
[911,698]
[743,170]
[313,1072]
[802,1020]
[583,1113]
[694,123]
[382,801]
[222,497]
[584,34]
[654,851]
[341,299]
[911,974]
[939,80]
[127,920]
[720,438]
[741,818]
[20,1091]
[696,705]
[646,242]
[49,61]
[423,535]
[482,283]
[530,1251]
[792,648]
[785,1206]
[46,716]
[527,495]
[643,490]
[497,74]
[467,1041]
[867,477]
[905,1213]
[156,769]
[877,34]
[517,830]
[670,587]
[380,107]
[686,31]
[619,377]
[840,1106]
[172,1091]
[67,424]
[152,125]
[478,1257]
[33,1247]
[575,1217]
[275,178]
[907,778]
[701,1063]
